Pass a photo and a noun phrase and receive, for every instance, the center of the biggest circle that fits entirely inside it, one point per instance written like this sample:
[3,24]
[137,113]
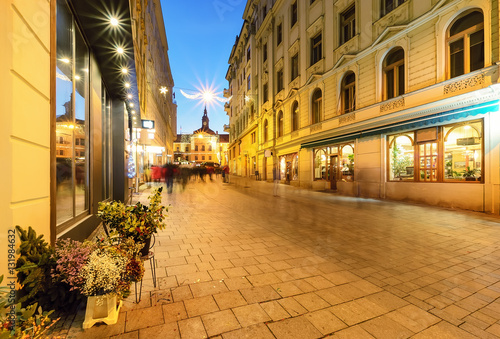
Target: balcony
[227,93]
[227,128]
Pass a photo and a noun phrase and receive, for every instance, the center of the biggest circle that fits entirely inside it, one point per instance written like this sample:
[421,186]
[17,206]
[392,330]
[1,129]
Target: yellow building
[381,99]
[203,145]
[70,92]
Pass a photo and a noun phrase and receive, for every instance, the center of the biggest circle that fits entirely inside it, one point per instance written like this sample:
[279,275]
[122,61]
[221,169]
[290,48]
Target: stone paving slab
[236,262]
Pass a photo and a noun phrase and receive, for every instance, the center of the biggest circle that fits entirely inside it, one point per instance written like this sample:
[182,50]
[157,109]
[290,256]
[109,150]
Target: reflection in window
[394,74]
[320,164]
[401,157]
[72,80]
[466,44]
[463,152]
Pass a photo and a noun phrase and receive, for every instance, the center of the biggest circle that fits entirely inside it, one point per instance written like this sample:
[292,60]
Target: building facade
[381,99]
[71,94]
[203,145]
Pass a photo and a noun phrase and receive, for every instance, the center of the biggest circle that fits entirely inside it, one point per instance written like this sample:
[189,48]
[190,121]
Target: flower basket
[101,308]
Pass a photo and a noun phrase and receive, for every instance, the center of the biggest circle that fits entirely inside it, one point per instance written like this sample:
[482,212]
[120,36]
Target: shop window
[317,100]
[295,116]
[72,82]
[294,61]
[394,74]
[266,127]
[401,157]
[293,14]
[348,93]
[450,153]
[463,154]
[347,25]
[347,163]
[389,5]
[280,124]
[320,165]
[466,44]
[316,49]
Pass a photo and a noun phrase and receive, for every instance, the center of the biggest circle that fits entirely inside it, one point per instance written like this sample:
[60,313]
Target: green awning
[411,124]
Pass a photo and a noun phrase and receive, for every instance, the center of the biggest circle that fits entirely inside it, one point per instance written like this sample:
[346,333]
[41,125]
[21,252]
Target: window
[252,111]
[195,157]
[210,148]
[279,34]
[196,148]
[347,25]
[187,148]
[187,157]
[348,93]
[394,74]
[346,166]
[295,116]
[389,5]
[466,44]
[209,157]
[203,148]
[316,49]
[279,81]
[178,149]
[248,54]
[266,125]
[264,52]
[265,94]
[106,143]
[264,12]
[294,66]
[320,164]
[312,1]
[72,89]
[253,136]
[317,99]
[280,124]
[248,83]
[293,14]
[417,155]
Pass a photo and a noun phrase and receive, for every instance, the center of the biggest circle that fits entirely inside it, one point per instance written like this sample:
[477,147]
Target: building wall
[25,127]
[420,29]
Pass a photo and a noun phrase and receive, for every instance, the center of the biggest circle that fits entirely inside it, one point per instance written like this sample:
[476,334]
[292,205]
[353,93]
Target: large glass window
[106,143]
[317,99]
[347,24]
[295,116]
[320,164]
[401,157]
[348,93]
[450,153]
[466,44]
[316,49]
[347,162]
[394,74]
[72,82]
[280,124]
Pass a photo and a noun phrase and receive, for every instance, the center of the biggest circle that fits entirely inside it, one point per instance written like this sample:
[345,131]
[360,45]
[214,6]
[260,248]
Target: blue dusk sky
[200,35]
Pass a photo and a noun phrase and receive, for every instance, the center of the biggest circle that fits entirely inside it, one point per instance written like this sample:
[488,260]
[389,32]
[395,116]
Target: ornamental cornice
[478,79]
[392,105]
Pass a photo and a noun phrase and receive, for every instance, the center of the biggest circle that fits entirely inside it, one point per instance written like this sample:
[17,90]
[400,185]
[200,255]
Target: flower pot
[101,308]
[145,249]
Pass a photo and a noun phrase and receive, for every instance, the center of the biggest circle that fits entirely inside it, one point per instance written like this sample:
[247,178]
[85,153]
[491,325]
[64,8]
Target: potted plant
[469,174]
[137,221]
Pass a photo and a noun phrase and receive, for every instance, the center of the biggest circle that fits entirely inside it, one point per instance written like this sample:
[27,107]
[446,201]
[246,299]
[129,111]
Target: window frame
[350,88]
[294,67]
[316,48]
[295,116]
[384,6]
[347,24]
[316,106]
[280,126]
[266,132]
[279,33]
[294,15]
[395,67]
[279,81]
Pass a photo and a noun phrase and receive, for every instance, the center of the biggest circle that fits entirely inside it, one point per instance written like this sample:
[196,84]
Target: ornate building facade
[203,145]
[380,99]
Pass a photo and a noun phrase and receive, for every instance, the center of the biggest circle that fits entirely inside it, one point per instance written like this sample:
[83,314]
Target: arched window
[401,157]
[203,148]
[266,135]
[394,74]
[348,93]
[295,116]
[280,124]
[466,44]
[316,101]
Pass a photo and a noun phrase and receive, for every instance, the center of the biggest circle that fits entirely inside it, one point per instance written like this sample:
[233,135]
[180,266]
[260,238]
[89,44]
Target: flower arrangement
[98,268]
[137,221]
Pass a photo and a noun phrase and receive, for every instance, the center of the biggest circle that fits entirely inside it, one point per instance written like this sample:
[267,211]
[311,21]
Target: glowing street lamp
[114,22]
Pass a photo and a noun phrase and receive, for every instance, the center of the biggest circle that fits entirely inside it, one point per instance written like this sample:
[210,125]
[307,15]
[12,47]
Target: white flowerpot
[102,308]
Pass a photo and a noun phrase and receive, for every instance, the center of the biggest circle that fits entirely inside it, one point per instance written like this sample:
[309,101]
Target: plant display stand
[101,308]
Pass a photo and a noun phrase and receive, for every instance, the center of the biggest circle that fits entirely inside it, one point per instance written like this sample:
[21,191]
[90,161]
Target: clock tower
[204,119]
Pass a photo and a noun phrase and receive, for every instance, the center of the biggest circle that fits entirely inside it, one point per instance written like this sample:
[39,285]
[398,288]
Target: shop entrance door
[334,164]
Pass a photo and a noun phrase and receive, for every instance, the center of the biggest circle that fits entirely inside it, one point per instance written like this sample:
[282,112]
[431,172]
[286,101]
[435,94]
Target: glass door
[428,158]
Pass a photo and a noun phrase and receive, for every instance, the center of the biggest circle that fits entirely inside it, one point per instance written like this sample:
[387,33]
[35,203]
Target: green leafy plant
[399,161]
[469,172]
[137,221]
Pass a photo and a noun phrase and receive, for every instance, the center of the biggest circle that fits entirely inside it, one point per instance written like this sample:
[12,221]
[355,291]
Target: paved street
[236,262]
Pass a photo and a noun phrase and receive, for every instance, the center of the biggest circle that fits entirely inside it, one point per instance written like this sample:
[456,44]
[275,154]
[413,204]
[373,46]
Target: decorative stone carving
[316,127]
[465,83]
[344,119]
[391,105]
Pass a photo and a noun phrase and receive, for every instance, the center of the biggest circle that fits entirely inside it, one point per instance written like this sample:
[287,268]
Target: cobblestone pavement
[236,262]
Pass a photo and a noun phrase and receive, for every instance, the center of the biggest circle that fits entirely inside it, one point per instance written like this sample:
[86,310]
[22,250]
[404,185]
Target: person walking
[169,178]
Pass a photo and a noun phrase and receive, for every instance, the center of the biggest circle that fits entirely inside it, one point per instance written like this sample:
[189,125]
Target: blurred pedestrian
[169,177]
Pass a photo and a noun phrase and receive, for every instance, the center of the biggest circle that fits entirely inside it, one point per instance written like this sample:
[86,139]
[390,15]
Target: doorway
[334,162]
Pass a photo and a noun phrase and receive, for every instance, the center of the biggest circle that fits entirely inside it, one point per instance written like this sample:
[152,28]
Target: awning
[416,123]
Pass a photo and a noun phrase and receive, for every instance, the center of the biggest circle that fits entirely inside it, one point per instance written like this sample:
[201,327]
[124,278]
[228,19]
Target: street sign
[148,124]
